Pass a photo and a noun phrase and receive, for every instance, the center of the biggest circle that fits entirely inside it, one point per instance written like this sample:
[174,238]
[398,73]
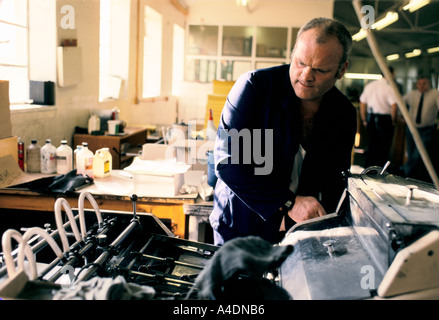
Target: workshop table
[112,193]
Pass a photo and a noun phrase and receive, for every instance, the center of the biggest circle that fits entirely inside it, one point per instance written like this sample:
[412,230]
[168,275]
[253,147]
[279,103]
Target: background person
[378,111]
[423,105]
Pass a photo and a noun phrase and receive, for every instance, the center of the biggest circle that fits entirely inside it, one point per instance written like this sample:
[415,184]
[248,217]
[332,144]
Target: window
[113,48]
[14,64]
[226,52]
[152,53]
[177,59]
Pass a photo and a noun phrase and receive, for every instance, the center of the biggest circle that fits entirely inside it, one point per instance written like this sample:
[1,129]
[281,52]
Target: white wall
[273,13]
[74,104]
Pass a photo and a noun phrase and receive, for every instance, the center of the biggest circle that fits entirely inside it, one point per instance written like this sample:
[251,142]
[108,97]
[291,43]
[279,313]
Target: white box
[157,178]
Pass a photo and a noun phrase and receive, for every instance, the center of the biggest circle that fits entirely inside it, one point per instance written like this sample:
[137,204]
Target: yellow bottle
[102,163]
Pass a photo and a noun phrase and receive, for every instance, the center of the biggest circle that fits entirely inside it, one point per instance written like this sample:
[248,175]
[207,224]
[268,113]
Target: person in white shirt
[378,111]
[423,105]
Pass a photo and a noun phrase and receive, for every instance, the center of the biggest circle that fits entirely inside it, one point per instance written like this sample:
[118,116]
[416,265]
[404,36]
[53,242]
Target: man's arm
[363,113]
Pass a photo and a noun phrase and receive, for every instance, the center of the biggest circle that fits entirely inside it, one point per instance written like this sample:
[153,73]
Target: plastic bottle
[33,157]
[78,147]
[64,155]
[20,144]
[84,161]
[48,157]
[211,129]
[94,123]
[102,163]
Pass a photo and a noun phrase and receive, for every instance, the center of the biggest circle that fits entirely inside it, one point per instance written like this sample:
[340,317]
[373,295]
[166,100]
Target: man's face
[314,66]
[423,85]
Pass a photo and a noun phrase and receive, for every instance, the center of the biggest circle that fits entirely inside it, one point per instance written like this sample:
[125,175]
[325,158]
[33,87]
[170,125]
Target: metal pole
[401,104]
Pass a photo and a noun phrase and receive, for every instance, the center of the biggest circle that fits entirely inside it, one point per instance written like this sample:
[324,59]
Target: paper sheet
[11,174]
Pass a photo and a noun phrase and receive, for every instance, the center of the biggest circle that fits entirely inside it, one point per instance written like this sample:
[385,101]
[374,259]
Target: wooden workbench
[162,207]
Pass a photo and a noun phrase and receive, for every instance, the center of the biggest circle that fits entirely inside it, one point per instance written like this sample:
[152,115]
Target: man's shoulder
[268,72]
[263,79]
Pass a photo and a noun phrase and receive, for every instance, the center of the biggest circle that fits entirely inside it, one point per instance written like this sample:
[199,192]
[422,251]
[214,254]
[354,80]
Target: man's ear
[343,70]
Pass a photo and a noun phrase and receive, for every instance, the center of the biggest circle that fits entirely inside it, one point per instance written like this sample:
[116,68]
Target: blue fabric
[246,203]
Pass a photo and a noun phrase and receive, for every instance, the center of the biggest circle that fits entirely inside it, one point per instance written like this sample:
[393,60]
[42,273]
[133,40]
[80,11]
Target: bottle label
[88,164]
[106,166]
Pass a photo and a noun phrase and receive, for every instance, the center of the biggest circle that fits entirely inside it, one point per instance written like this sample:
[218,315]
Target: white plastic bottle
[94,123]
[33,157]
[48,157]
[211,129]
[64,155]
[78,147]
[102,163]
[84,161]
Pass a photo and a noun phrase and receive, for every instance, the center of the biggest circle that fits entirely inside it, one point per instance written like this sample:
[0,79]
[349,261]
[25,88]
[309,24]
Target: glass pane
[272,42]
[200,70]
[237,41]
[14,11]
[232,69]
[152,54]
[203,40]
[18,83]
[177,59]
[13,45]
[294,33]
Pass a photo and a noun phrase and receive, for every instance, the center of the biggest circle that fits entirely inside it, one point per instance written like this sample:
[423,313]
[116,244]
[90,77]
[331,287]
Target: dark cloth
[380,131]
[64,183]
[246,202]
[413,167]
[248,256]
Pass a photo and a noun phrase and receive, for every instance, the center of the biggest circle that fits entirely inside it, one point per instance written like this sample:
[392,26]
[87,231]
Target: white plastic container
[84,161]
[102,163]
[94,123]
[48,157]
[78,147]
[33,157]
[64,155]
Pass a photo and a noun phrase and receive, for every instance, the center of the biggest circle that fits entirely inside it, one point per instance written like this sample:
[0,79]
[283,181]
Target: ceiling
[413,30]
[416,30]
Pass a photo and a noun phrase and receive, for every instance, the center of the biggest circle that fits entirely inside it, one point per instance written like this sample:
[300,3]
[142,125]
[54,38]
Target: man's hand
[306,208]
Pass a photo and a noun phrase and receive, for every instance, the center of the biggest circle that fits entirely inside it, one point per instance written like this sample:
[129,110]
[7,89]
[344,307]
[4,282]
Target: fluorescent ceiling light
[414,5]
[360,35]
[365,76]
[243,3]
[412,54]
[390,18]
[392,57]
[432,50]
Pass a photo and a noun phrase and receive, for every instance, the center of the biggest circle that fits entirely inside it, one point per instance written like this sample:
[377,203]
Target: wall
[74,104]
[274,13]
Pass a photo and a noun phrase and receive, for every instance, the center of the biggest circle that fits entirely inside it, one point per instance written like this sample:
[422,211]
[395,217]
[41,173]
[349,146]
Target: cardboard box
[9,146]
[5,113]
